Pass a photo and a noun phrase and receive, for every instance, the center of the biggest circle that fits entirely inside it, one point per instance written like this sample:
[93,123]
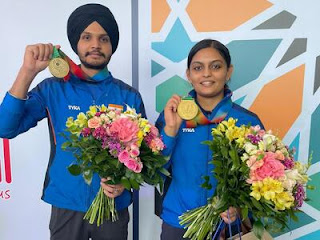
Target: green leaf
[134,184]
[165,172]
[87,175]
[256,204]
[75,169]
[207,142]
[100,157]
[126,183]
[258,229]
[65,145]
[224,151]
[244,212]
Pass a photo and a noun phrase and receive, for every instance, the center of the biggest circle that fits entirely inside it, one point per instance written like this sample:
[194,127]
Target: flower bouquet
[120,146]
[256,173]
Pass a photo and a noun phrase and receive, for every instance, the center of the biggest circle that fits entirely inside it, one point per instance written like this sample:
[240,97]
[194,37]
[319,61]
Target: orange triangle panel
[279,103]
[160,12]
[217,15]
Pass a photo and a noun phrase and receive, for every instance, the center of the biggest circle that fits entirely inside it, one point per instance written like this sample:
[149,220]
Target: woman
[209,70]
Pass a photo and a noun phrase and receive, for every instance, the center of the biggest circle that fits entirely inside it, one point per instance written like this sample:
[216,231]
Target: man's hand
[112,191]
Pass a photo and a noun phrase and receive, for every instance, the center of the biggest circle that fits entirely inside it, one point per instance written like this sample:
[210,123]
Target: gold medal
[59,67]
[188,109]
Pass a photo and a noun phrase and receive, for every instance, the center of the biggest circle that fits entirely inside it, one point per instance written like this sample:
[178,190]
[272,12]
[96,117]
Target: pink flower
[154,131]
[271,168]
[156,145]
[279,155]
[124,129]
[124,156]
[94,122]
[133,165]
[253,163]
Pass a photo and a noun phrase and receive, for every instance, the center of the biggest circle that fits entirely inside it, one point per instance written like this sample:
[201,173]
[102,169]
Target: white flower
[289,183]
[269,141]
[250,148]
[294,174]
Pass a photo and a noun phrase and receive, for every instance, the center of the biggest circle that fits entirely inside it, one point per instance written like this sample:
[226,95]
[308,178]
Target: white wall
[24,215]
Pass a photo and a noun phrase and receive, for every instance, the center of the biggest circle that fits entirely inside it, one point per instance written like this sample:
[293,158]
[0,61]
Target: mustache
[94,52]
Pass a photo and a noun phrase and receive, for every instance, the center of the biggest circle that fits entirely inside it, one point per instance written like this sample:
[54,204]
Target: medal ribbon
[76,70]
[220,115]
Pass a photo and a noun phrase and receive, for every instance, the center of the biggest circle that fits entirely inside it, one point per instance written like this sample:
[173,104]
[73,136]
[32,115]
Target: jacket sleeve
[18,116]
[168,141]
[140,106]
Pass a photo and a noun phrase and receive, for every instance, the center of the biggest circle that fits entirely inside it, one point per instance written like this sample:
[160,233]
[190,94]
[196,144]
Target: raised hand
[172,119]
[36,59]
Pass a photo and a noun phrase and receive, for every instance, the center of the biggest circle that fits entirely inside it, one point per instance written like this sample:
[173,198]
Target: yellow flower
[69,122]
[234,133]
[103,108]
[81,120]
[240,141]
[140,137]
[92,110]
[256,190]
[144,125]
[221,127]
[270,188]
[283,201]
[215,131]
[231,123]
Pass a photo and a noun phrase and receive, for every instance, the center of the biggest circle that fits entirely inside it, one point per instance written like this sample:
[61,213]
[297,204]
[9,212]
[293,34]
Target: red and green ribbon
[76,69]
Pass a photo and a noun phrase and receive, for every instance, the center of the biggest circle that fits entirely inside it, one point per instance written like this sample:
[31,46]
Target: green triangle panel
[177,44]
[304,219]
[156,68]
[249,58]
[295,144]
[239,100]
[314,195]
[314,148]
[164,91]
[311,236]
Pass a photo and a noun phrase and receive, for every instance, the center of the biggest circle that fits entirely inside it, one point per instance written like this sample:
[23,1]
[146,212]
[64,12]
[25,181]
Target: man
[93,35]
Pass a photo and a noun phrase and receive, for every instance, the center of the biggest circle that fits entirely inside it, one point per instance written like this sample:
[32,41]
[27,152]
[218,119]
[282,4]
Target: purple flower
[114,148]
[254,138]
[86,132]
[288,163]
[99,133]
[299,196]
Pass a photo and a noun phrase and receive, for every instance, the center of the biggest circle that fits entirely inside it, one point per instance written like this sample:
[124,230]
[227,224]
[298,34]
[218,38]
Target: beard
[96,66]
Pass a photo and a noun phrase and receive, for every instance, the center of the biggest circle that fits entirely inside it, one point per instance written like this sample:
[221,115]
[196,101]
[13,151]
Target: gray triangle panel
[317,75]
[283,20]
[297,47]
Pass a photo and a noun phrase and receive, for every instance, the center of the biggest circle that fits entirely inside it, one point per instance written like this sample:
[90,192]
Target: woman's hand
[172,119]
[232,215]
[110,190]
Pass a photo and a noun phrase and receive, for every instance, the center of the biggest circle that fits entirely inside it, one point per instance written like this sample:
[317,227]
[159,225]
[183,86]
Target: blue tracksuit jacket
[189,161]
[57,100]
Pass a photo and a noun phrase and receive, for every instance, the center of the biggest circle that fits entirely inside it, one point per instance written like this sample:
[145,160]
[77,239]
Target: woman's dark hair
[210,43]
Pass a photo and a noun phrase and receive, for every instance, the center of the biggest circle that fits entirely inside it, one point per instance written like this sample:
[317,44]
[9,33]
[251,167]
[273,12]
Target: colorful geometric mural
[272,76]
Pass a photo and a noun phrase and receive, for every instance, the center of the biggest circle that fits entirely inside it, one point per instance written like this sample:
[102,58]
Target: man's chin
[96,66]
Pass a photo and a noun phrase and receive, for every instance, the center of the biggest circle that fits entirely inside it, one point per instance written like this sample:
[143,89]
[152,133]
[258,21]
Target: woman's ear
[229,73]
[188,76]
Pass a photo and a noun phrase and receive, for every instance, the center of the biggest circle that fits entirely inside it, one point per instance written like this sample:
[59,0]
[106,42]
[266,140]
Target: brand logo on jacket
[188,130]
[5,169]
[74,107]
